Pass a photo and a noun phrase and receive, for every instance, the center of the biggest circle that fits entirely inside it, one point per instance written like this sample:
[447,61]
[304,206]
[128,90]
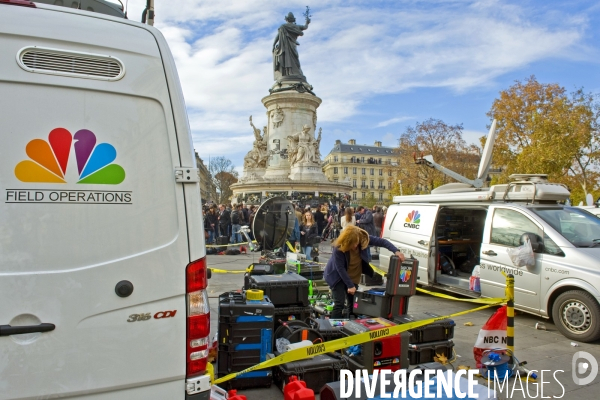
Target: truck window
[509,225]
[579,227]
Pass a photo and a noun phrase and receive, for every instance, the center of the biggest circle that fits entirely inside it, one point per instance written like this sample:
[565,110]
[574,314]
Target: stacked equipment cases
[284,290]
[245,338]
[388,352]
[429,341]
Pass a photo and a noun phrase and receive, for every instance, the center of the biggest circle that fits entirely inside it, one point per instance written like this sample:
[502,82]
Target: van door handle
[490,253]
[423,243]
[7,330]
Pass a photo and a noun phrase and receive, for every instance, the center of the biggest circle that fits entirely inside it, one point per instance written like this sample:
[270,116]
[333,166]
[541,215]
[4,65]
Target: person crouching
[349,260]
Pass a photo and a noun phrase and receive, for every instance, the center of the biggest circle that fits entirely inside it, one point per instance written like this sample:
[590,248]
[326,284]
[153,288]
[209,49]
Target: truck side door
[411,230]
[504,227]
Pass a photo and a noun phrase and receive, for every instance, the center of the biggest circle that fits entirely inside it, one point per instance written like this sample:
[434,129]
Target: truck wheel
[576,314]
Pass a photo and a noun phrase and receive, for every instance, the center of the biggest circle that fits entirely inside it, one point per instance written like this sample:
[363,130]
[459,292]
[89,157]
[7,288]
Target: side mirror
[536,242]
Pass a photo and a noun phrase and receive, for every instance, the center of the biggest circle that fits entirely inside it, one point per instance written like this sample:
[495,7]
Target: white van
[460,226]
[102,261]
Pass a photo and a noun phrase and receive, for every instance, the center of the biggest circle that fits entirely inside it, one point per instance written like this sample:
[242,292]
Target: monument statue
[257,157]
[303,148]
[286,62]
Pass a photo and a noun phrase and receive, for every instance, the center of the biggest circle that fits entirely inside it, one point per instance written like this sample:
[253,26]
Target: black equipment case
[434,332]
[402,277]
[374,303]
[316,371]
[245,339]
[330,329]
[284,290]
[425,352]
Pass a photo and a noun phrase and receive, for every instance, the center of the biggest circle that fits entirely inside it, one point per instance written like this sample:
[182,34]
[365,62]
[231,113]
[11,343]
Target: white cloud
[391,121]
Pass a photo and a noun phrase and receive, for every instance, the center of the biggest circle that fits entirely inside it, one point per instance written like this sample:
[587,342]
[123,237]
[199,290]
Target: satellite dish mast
[148,13]
[484,164]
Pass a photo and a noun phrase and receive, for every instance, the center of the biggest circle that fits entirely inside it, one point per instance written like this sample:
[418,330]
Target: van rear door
[89,204]
[410,228]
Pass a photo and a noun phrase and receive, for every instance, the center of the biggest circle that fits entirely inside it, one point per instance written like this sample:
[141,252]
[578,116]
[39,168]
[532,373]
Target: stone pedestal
[307,173]
[252,175]
[287,113]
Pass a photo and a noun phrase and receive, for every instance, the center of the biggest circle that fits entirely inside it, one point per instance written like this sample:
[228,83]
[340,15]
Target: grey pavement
[543,350]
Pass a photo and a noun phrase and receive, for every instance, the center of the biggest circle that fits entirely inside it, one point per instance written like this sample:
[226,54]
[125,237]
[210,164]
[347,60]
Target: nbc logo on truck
[48,159]
[413,220]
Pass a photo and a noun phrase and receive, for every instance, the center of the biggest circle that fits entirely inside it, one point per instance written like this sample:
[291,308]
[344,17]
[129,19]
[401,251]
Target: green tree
[445,143]
[542,129]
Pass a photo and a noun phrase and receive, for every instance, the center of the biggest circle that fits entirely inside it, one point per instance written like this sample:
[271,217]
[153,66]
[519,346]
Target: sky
[378,66]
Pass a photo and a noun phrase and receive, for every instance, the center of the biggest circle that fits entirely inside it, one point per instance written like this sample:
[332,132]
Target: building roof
[362,149]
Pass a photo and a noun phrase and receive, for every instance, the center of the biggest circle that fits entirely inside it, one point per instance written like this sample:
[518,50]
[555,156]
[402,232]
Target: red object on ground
[234,396]
[297,390]
[491,336]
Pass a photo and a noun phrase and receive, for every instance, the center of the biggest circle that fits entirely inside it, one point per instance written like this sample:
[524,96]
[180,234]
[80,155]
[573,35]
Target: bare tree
[224,175]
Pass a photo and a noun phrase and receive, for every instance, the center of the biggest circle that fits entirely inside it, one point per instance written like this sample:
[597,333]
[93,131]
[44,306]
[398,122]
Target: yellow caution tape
[225,271]
[339,344]
[255,294]
[290,246]
[493,300]
[378,270]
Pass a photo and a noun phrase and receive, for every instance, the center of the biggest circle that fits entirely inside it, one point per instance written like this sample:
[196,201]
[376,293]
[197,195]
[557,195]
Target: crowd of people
[312,225]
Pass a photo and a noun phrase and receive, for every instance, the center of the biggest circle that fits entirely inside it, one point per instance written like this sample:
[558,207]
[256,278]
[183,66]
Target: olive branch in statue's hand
[307,15]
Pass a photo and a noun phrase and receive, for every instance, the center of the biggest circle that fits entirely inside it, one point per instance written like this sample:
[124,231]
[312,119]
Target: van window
[509,225]
[579,227]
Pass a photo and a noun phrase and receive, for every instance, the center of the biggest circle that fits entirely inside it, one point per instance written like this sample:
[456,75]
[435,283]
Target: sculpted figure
[317,147]
[257,157]
[285,53]
[301,147]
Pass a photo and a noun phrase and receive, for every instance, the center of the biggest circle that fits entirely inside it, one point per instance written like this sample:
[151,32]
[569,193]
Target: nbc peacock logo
[48,160]
[413,220]
[405,275]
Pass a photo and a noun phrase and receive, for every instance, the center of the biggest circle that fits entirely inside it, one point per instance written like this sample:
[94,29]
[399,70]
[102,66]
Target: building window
[335,159]
[380,172]
[389,184]
[353,182]
[363,184]
[372,184]
[353,159]
[335,170]
[390,172]
[362,159]
[372,171]
[364,171]
[364,195]
[379,160]
[373,194]
[346,170]
[381,185]
[380,196]
[353,195]
[354,170]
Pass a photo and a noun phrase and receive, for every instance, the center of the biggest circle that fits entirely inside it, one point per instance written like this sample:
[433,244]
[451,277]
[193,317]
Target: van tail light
[198,318]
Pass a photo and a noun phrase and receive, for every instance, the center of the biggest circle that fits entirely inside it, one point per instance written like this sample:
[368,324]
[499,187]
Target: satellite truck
[103,271]
[463,233]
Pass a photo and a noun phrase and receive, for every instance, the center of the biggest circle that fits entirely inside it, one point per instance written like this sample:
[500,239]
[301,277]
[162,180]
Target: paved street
[543,350]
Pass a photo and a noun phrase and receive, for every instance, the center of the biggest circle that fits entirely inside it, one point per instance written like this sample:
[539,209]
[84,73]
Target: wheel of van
[577,316]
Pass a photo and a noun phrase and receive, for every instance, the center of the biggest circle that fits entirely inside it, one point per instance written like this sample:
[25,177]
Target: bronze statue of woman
[286,63]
